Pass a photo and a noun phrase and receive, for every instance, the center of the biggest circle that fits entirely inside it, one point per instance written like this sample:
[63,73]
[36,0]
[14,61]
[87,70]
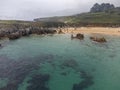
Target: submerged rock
[1,46]
[71,64]
[85,83]
[98,39]
[38,82]
[64,73]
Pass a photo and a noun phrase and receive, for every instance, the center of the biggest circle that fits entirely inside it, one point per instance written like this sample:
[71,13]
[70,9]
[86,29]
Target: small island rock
[97,39]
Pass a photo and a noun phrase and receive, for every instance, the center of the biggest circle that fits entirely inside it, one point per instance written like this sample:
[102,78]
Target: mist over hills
[99,13]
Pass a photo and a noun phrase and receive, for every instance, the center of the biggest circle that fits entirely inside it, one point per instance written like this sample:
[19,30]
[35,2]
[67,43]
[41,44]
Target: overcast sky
[30,9]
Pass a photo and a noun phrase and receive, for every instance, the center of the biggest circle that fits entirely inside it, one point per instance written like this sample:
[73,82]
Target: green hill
[104,13]
[14,22]
[99,17]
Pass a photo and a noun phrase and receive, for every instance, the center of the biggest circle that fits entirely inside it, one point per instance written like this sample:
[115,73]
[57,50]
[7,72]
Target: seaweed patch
[87,81]
[39,82]
[17,70]
[70,63]
[64,73]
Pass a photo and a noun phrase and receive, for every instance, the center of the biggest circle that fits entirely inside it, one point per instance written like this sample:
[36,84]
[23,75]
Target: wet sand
[93,30]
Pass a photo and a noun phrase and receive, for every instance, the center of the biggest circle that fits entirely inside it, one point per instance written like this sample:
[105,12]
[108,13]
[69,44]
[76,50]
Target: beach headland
[17,33]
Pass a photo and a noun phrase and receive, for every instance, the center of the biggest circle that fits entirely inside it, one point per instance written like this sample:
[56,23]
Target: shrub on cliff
[104,7]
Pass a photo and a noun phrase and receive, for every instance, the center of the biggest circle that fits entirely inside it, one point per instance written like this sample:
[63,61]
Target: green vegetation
[104,7]
[100,15]
[104,14]
[13,22]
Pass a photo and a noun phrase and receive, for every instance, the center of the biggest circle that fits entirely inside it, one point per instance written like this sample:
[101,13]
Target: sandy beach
[93,30]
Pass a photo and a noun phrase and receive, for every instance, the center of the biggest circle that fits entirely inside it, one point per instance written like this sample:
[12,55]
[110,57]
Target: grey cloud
[30,9]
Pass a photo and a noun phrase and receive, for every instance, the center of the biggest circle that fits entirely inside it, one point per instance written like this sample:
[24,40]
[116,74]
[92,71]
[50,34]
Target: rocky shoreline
[16,31]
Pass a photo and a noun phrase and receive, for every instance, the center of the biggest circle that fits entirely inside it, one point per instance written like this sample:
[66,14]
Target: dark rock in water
[78,36]
[64,73]
[14,36]
[85,75]
[112,56]
[97,39]
[87,81]
[38,82]
[72,36]
[84,84]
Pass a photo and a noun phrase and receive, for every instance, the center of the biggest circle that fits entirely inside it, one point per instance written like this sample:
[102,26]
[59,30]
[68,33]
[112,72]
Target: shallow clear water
[55,62]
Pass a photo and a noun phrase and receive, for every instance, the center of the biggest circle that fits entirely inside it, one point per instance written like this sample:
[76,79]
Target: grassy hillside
[104,13]
[13,22]
[100,17]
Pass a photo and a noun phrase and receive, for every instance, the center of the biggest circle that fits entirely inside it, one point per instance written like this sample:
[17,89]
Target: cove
[55,62]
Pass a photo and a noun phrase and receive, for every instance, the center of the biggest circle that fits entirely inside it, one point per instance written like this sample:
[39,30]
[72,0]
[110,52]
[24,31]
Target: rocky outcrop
[60,32]
[98,39]
[78,36]
[14,36]
[16,31]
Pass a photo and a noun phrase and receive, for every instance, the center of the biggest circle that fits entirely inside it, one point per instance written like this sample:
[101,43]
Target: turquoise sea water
[55,62]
